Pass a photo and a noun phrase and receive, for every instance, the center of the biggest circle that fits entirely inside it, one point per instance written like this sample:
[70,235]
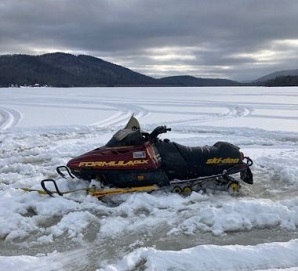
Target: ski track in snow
[155,231]
[125,112]
[8,118]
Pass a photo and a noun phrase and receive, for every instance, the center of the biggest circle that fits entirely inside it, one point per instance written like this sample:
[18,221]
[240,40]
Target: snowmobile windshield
[126,137]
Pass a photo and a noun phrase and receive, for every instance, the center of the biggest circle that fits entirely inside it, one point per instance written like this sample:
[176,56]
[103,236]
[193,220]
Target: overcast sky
[234,39]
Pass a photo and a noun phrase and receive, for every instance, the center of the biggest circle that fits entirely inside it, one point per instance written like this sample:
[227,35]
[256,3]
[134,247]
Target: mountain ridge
[276,74]
[67,70]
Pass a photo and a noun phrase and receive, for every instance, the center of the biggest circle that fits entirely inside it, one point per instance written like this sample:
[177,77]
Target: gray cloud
[232,39]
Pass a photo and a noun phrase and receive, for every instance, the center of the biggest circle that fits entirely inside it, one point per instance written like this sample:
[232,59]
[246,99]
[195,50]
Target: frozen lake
[42,128]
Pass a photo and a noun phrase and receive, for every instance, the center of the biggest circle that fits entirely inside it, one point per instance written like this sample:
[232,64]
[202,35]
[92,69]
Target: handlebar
[159,130]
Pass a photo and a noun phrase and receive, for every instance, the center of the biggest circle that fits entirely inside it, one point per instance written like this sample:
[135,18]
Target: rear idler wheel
[186,191]
[177,189]
[233,188]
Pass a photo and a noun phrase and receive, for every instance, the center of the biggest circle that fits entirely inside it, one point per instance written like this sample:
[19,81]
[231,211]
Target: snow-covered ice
[42,128]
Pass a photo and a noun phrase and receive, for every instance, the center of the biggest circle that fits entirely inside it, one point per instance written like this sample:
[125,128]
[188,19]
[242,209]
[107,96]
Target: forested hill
[282,81]
[187,80]
[279,78]
[66,70]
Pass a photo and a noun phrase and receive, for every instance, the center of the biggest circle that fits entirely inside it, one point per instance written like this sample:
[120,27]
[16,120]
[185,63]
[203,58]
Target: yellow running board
[117,191]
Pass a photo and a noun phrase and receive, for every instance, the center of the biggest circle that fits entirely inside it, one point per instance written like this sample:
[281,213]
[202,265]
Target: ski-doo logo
[114,163]
[220,160]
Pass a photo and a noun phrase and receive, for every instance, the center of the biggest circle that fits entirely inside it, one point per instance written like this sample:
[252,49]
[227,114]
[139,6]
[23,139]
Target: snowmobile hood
[127,157]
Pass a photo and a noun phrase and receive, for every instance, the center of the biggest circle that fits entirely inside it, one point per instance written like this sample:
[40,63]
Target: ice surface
[41,128]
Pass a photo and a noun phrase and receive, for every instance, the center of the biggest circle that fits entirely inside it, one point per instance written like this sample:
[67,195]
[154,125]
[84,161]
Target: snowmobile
[134,160]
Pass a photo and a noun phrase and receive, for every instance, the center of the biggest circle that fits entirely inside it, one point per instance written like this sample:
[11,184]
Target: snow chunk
[211,257]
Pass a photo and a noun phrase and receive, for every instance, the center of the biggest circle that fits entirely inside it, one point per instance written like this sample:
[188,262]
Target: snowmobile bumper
[246,175]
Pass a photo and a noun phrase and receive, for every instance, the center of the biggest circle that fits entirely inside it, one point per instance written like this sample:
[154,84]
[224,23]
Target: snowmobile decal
[139,154]
[216,160]
[153,155]
[114,163]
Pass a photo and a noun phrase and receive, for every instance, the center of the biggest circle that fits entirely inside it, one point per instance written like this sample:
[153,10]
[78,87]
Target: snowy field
[42,128]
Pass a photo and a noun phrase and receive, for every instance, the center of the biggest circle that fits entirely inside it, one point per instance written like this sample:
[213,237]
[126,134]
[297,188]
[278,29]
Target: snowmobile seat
[194,155]
[199,155]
